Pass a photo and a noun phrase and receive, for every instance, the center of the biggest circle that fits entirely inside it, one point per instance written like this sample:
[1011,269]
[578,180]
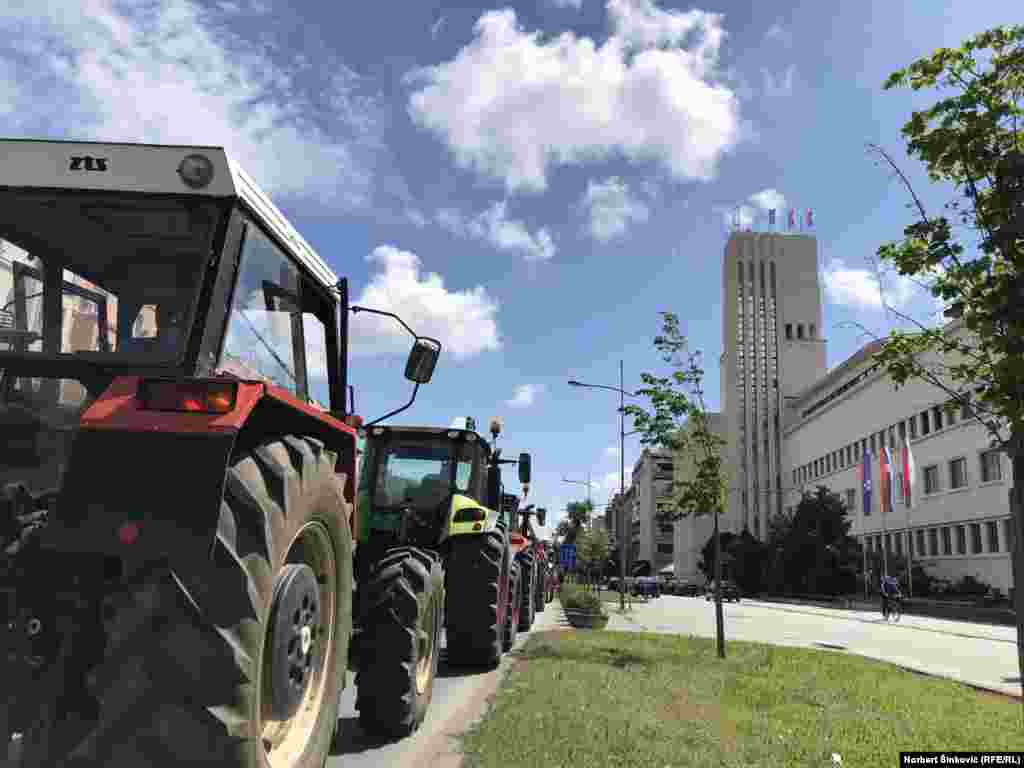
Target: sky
[530,182]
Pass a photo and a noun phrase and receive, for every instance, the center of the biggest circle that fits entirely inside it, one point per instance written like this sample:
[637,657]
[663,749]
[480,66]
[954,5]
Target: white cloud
[780,34]
[494,227]
[612,451]
[463,321]
[512,103]
[525,395]
[858,288]
[577,4]
[610,482]
[778,85]
[416,217]
[762,202]
[611,208]
[769,199]
[174,72]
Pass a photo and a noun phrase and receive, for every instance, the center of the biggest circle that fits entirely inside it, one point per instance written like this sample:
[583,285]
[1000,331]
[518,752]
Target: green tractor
[434,550]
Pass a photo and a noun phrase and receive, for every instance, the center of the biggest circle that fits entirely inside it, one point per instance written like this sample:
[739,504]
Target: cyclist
[890,590]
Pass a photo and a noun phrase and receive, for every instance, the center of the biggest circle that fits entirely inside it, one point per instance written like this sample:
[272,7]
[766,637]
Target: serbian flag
[792,219]
[909,488]
[865,480]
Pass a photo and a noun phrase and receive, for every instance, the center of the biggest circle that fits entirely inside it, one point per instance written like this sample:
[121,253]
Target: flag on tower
[888,487]
[792,219]
[810,218]
[771,217]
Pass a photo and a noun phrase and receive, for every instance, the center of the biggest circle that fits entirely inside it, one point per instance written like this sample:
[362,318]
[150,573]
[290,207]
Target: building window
[789,331]
[899,544]
[947,542]
[851,499]
[937,417]
[872,445]
[991,467]
[903,431]
[975,538]
[925,427]
[933,542]
[951,412]
[919,549]
[961,540]
[931,479]
[1008,534]
[912,427]
[958,473]
[664,549]
[810,331]
[878,543]
[799,330]
[993,535]
[888,542]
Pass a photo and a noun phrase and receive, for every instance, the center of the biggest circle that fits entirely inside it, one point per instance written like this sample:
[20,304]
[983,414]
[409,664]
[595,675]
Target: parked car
[730,592]
[645,586]
[686,588]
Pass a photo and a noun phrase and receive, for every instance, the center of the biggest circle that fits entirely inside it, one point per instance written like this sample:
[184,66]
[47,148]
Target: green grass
[590,698]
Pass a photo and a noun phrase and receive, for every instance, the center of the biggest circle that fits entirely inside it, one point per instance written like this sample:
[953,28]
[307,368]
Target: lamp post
[622,474]
[580,482]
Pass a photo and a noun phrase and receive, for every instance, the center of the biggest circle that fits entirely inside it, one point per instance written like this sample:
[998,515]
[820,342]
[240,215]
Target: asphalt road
[982,655]
[460,699]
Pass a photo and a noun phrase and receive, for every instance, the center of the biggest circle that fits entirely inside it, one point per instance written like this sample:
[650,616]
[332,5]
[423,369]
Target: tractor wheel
[515,599]
[527,571]
[235,660]
[474,627]
[401,613]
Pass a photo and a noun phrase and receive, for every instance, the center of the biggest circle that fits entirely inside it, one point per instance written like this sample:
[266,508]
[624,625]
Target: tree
[592,549]
[577,516]
[973,141]
[679,421]
[821,556]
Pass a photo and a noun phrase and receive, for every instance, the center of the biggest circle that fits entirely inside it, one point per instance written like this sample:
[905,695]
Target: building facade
[790,425]
[650,489]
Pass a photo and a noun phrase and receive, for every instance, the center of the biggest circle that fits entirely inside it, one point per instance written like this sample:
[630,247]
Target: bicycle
[892,608]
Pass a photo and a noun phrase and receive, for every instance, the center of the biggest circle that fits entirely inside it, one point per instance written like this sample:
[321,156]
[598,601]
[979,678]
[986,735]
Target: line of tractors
[192,553]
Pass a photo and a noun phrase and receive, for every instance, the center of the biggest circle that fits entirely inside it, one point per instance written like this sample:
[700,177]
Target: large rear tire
[515,599]
[474,626]
[401,613]
[236,660]
[527,573]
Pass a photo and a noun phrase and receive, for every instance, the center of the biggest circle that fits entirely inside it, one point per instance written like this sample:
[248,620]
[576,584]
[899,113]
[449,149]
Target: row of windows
[799,331]
[946,540]
[924,423]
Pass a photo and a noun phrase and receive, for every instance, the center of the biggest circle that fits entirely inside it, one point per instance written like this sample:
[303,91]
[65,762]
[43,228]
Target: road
[978,654]
[460,698]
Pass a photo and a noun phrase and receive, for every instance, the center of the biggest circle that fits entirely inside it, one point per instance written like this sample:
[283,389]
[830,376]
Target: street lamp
[622,474]
[580,482]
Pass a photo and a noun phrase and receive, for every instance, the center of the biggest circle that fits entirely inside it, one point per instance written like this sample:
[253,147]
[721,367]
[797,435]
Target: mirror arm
[356,309]
[415,389]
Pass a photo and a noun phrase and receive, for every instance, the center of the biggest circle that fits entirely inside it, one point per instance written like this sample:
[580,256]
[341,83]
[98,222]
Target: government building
[791,425]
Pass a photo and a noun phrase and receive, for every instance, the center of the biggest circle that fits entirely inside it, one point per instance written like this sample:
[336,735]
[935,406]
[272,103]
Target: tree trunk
[1017,556]
[719,617]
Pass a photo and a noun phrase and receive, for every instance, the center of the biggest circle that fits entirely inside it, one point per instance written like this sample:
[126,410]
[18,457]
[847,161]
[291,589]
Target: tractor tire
[192,672]
[527,573]
[474,627]
[515,599]
[401,614]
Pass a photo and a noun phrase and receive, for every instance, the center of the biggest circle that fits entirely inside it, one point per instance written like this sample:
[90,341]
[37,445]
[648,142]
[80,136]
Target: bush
[575,599]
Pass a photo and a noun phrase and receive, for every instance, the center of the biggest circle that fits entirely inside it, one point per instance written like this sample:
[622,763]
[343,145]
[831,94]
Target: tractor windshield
[106,276]
[423,471]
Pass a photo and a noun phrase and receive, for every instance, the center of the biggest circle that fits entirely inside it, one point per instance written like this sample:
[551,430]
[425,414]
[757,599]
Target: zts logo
[87,163]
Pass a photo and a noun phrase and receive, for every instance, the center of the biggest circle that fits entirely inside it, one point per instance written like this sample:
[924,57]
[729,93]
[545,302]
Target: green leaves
[972,138]
[678,421]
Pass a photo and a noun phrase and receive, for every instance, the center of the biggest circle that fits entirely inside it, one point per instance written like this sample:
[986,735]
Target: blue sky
[530,182]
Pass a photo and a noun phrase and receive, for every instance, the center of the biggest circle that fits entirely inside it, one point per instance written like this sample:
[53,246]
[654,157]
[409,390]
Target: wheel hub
[294,629]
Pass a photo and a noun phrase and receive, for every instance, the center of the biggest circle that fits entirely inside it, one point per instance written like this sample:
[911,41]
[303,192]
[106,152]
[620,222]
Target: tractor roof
[147,169]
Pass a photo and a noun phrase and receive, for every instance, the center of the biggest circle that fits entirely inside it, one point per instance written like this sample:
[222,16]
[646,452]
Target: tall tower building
[771,333]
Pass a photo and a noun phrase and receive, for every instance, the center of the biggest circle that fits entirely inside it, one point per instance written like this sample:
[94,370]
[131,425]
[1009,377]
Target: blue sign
[567,555]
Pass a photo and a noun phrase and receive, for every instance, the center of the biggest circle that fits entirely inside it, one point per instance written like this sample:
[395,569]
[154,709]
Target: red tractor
[532,559]
[177,509]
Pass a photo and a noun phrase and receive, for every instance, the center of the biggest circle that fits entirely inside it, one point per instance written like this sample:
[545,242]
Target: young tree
[577,515]
[678,420]
[972,140]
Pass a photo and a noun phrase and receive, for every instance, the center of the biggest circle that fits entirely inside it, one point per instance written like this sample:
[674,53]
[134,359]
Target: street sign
[567,555]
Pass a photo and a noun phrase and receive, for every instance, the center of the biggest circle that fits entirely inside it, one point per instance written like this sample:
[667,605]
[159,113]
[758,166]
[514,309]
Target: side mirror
[494,487]
[524,468]
[542,516]
[419,368]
